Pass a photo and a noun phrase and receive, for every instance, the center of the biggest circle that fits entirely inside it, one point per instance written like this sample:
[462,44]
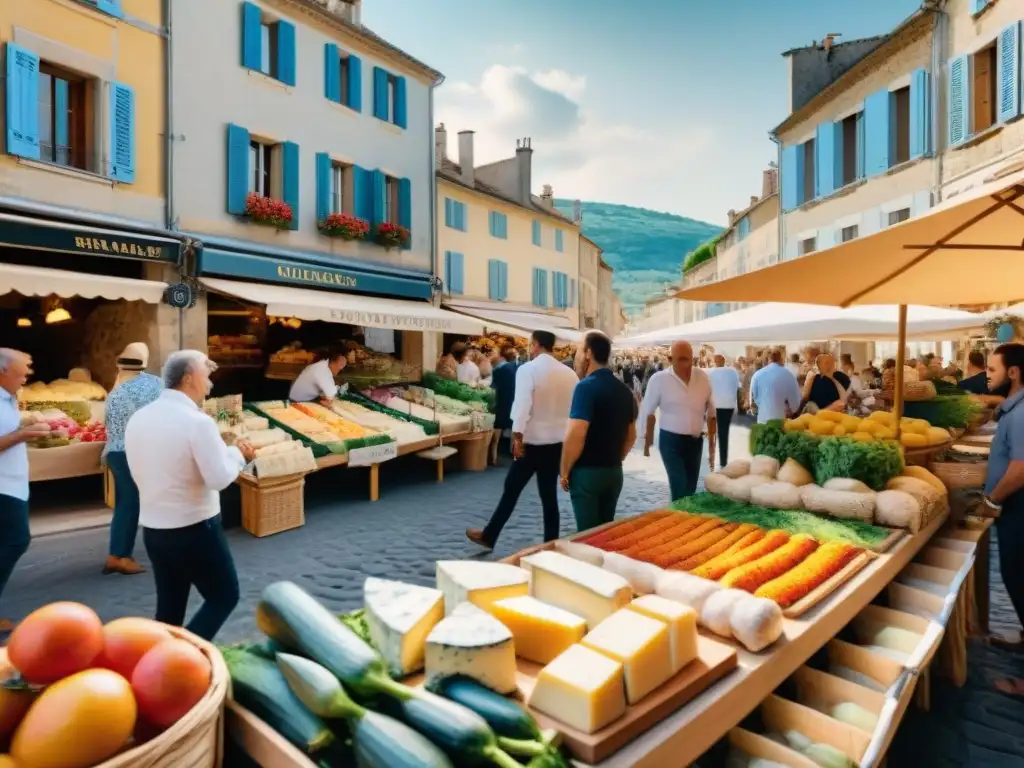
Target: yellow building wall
[478,247]
[129,51]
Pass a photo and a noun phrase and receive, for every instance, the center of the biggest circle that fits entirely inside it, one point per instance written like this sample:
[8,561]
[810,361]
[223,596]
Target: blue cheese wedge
[479,583]
[471,642]
[400,616]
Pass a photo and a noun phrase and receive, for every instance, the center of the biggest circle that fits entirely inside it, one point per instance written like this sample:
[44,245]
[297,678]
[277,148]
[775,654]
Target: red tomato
[169,680]
[55,641]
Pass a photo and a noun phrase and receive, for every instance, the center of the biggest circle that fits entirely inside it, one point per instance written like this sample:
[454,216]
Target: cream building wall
[589,266]
[751,242]
[609,308]
[702,274]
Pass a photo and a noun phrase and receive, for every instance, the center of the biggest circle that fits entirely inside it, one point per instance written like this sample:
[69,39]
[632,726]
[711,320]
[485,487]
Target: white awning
[525,323]
[334,307]
[39,281]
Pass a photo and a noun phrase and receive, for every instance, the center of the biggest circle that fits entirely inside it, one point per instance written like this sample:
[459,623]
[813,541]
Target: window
[339,174]
[455,214]
[899,101]
[389,103]
[64,130]
[851,147]
[268,48]
[261,161]
[896,217]
[498,225]
[808,186]
[849,233]
[983,89]
[810,245]
[536,232]
[345,66]
[559,245]
[391,200]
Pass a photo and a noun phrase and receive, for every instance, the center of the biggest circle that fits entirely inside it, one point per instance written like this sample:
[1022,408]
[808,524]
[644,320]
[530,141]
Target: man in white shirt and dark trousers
[540,417]
[316,381]
[683,394]
[180,463]
[725,387]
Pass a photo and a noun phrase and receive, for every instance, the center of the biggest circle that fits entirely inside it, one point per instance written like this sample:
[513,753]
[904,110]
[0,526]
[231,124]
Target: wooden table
[685,735]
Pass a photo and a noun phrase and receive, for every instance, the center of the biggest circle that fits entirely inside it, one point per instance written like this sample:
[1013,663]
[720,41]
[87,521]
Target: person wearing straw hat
[133,389]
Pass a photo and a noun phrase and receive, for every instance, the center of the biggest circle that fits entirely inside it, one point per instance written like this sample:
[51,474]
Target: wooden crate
[273,505]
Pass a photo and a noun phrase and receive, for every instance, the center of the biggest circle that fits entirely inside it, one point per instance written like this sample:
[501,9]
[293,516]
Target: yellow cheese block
[682,626]
[580,588]
[540,631]
[581,688]
[641,644]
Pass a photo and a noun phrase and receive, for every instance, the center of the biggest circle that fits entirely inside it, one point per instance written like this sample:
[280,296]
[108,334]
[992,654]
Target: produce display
[402,432]
[235,351]
[77,692]
[78,387]
[325,430]
[442,403]
[945,410]
[64,429]
[277,454]
[448,424]
[459,391]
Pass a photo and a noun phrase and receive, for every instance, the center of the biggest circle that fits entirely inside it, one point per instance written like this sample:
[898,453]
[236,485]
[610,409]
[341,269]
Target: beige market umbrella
[967,250]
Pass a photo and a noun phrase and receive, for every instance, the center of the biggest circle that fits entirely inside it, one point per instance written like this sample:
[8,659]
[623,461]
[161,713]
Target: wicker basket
[960,474]
[920,457]
[273,505]
[918,391]
[195,741]
[473,451]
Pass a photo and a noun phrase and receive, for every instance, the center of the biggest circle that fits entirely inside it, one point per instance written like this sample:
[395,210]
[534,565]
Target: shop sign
[312,275]
[21,233]
[372,454]
[387,320]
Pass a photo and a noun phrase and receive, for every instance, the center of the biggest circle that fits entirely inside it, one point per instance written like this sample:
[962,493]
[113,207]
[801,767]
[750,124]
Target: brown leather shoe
[123,565]
[6,626]
[477,537]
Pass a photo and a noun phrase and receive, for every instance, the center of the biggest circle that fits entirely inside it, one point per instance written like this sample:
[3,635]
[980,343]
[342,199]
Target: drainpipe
[940,30]
[431,165]
[168,119]
[782,218]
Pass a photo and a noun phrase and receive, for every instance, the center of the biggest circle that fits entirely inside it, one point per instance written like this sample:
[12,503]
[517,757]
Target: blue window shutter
[323,186]
[536,232]
[458,273]
[572,292]
[824,160]
[493,279]
[490,223]
[802,194]
[977,6]
[290,179]
[405,208]
[861,141]
[877,128]
[920,117]
[503,226]
[332,72]
[251,36]
[380,94]
[449,215]
[111,7]
[286,52]
[460,216]
[22,102]
[400,115]
[1008,82]
[837,154]
[544,287]
[61,128]
[238,169]
[503,284]
[355,83]
[379,198]
[790,181]
[558,240]
[448,271]
[535,292]
[121,164]
[959,102]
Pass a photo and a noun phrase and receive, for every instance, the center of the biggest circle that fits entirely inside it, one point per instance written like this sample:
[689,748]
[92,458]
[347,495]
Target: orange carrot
[685,524]
[624,542]
[717,567]
[694,546]
[752,575]
[818,568]
[715,549]
[626,526]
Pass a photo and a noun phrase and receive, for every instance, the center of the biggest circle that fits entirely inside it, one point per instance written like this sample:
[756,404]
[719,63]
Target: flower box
[391,235]
[267,211]
[345,226]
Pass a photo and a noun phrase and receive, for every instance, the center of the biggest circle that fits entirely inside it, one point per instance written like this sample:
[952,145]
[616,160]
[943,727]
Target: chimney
[754,199]
[732,217]
[466,157]
[440,145]
[547,197]
[770,181]
[524,161]
[577,211]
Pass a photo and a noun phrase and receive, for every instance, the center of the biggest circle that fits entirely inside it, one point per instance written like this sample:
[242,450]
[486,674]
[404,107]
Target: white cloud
[577,152]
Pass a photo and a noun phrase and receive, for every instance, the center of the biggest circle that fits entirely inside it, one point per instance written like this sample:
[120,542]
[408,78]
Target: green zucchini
[504,715]
[295,620]
[378,741]
[259,686]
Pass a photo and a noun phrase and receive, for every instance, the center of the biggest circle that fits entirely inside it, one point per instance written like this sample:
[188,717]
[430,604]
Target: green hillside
[645,248]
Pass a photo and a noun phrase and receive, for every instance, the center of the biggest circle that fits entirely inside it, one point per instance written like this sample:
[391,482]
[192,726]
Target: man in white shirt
[725,388]
[683,394]
[316,381]
[15,368]
[181,464]
[540,417]
[466,371]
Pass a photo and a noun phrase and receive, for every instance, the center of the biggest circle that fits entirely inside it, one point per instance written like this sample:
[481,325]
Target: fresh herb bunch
[947,411]
[874,464]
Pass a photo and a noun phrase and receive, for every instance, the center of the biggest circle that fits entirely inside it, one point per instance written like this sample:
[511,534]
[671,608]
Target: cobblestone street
[416,522]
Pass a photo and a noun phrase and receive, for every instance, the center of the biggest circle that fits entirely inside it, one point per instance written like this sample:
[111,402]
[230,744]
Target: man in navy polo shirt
[602,430]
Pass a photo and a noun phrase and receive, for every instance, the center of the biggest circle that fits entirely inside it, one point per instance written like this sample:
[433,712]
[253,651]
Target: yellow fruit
[913,440]
[833,416]
[839,431]
[913,426]
[851,424]
[793,425]
[805,419]
[863,437]
[921,473]
[882,417]
[885,434]
[869,426]
[821,427]
[936,435]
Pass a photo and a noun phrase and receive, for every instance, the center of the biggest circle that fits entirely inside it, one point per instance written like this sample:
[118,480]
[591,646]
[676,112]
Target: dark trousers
[194,556]
[595,494]
[543,461]
[1010,527]
[724,420]
[681,455]
[14,535]
[125,525]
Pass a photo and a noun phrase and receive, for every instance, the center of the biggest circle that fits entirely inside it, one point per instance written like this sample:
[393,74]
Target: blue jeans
[125,525]
[14,535]
[681,455]
[197,555]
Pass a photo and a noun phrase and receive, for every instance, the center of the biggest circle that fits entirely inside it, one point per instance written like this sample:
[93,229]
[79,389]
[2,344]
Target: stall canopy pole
[901,355]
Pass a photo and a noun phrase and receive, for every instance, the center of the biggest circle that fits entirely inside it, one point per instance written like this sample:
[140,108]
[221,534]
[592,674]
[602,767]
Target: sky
[660,104]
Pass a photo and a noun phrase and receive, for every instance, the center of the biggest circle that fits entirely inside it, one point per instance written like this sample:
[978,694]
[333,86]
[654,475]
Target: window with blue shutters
[454,214]
[878,132]
[22,98]
[899,126]
[1008,73]
[121,163]
[238,171]
[497,279]
[502,280]
[559,244]
[290,179]
[405,208]
[805,171]
[824,161]
[789,181]
[110,7]
[977,6]
[920,114]
[536,232]
[454,264]
[498,224]
[389,97]
[540,287]
[743,229]
[362,193]
[343,77]
[958,101]
[268,45]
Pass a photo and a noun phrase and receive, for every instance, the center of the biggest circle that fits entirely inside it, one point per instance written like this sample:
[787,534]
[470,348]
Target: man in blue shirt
[503,381]
[1004,486]
[602,430]
[774,391]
